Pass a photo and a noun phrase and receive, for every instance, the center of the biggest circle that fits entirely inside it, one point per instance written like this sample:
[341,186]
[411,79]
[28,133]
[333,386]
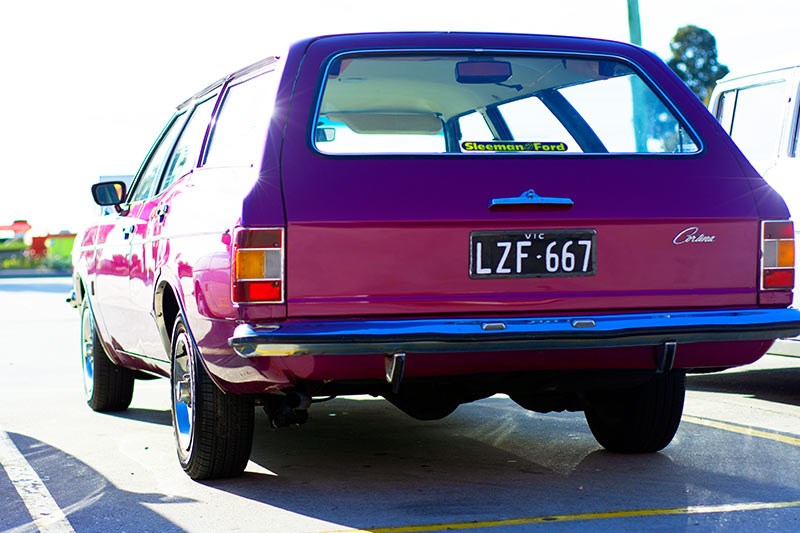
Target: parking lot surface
[360,464]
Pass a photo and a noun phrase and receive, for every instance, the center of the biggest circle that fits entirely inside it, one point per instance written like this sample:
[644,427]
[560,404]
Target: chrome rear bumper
[442,335]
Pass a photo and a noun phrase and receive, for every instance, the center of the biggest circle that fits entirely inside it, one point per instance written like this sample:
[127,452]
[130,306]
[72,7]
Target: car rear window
[524,104]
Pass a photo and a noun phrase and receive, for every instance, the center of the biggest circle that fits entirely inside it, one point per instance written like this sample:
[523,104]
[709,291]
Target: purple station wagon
[433,218]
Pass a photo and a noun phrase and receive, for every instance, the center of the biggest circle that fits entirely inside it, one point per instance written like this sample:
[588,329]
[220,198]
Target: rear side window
[490,104]
[241,124]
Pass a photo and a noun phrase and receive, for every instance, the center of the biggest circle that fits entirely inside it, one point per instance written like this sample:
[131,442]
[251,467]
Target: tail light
[257,269]
[777,255]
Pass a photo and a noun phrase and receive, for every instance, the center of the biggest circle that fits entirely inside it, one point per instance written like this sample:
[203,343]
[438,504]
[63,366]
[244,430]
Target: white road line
[44,510]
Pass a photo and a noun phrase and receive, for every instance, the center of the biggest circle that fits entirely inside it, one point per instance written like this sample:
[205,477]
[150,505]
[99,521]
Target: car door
[119,260]
[109,273]
[150,244]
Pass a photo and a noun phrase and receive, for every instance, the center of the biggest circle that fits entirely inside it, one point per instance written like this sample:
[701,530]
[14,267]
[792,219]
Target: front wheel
[643,419]
[107,386]
[213,430]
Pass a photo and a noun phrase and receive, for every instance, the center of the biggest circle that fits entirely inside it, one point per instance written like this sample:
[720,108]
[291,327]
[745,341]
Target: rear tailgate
[370,234]
[356,248]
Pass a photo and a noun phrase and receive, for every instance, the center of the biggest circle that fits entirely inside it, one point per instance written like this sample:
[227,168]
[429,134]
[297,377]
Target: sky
[88,84]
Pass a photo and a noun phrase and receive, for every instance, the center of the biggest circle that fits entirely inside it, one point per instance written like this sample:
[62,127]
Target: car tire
[213,430]
[107,386]
[643,419]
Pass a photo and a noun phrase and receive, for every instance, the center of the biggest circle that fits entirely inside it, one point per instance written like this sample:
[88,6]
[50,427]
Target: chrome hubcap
[87,351]
[182,394]
[184,390]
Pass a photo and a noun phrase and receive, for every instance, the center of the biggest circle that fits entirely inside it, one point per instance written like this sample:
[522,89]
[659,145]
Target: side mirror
[109,193]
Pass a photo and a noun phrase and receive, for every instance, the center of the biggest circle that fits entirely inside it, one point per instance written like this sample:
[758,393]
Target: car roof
[237,74]
[735,77]
[431,39]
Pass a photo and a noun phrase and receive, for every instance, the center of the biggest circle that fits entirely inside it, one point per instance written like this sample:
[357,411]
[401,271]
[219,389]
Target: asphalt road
[361,464]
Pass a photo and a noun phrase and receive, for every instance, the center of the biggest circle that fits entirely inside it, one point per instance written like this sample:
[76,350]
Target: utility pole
[634,24]
[639,119]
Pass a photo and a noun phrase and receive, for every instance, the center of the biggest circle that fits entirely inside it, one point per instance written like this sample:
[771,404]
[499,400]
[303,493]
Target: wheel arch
[82,294]
[80,285]
[166,306]
[79,290]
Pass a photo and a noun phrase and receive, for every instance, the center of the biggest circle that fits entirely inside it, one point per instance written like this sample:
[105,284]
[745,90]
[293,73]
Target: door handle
[161,212]
[529,197]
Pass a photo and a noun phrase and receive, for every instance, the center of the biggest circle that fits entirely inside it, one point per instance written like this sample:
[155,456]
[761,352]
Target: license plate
[532,253]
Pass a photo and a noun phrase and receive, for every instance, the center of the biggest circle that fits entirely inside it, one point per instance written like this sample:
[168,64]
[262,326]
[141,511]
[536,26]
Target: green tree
[694,60]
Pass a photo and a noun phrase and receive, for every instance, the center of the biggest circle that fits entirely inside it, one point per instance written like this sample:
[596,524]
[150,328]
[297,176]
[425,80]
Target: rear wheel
[107,386]
[213,430]
[638,420]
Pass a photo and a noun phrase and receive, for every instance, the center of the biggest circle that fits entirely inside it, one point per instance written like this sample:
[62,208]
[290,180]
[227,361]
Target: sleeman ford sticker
[472,146]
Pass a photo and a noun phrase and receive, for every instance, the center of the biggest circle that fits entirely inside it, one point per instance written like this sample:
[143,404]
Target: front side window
[147,182]
[489,104]
[187,150]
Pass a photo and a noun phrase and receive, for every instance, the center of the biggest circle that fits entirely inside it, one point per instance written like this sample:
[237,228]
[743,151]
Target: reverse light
[777,255]
[257,269]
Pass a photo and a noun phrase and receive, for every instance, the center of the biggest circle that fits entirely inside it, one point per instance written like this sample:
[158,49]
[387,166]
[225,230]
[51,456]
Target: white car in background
[760,112]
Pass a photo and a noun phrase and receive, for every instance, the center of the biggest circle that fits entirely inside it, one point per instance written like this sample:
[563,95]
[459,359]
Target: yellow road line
[697,509]
[639,513]
[742,430]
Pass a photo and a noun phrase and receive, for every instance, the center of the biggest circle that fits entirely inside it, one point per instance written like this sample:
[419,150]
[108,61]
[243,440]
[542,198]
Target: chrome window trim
[650,82]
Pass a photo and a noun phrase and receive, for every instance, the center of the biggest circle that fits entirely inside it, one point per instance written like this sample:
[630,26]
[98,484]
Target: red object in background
[39,246]
[18,226]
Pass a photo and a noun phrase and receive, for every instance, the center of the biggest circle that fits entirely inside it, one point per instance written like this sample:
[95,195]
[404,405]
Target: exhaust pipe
[395,365]
[288,410]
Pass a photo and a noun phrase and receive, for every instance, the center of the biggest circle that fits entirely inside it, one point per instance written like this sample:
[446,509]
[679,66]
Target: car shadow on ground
[150,416]
[775,385]
[360,464]
[89,501]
